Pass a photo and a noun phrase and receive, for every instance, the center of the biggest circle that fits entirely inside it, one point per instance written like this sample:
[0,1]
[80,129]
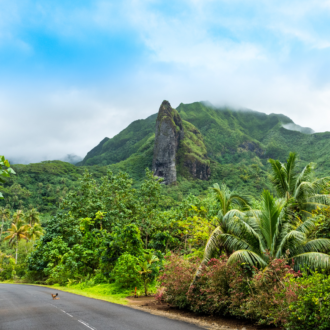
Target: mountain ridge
[235,146]
[239,126]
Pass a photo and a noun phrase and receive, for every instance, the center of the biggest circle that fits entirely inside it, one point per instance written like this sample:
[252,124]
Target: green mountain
[226,132]
[237,144]
[223,144]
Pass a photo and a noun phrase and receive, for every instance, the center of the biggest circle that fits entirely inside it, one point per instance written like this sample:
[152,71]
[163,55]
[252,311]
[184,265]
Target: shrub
[126,272]
[311,309]
[238,290]
[270,292]
[211,291]
[175,280]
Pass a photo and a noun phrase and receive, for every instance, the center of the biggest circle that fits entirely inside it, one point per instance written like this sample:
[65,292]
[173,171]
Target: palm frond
[241,201]
[303,191]
[23,237]
[290,171]
[222,194]
[230,220]
[318,245]
[312,260]
[291,241]
[270,217]
[246,256]
[321,183]
[320,199]
[281,227]
[305,175]
[278,177]
[307,226]
[234,243]
[212,243]
[307,172]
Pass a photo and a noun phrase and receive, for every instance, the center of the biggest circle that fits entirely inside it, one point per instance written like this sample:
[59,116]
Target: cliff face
[192,160]
[169,133]
[178,147]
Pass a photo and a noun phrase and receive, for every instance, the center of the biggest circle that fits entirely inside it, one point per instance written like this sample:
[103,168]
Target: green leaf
[248,257]
[11,171]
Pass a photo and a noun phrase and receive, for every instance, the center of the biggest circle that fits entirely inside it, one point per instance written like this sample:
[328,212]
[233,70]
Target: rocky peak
[169,133]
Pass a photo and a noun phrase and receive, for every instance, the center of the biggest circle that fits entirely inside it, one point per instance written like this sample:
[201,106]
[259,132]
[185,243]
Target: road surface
[25,307]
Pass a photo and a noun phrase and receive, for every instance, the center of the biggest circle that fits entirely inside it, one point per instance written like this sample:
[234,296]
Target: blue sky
[73,72]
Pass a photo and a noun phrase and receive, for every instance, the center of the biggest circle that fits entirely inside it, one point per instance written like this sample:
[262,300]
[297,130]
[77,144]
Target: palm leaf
[290,173]
[318,245]
[240,201]
[246,256]
[212,243]
[313,260]
[278,177]
[291,241]
[307,226]
[233,243]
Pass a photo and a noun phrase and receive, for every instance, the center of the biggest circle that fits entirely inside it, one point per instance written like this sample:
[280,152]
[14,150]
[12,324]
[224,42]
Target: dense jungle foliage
[257,230]
[220,253]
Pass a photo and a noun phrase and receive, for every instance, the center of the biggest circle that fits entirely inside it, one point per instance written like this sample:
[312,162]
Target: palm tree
[268,233]
[230,204]
[300,188]
[35,232]
[32,217]
[146,269]
[18,216]
[4,215]
[228,200]
[17,232]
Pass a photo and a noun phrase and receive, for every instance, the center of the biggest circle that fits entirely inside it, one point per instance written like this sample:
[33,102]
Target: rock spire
[169,133]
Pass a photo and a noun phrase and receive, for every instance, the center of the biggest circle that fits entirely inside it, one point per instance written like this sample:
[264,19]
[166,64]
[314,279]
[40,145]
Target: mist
[295,127]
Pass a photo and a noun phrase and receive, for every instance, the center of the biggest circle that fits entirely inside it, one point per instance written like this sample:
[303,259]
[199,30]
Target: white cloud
[254,64]
[57,123]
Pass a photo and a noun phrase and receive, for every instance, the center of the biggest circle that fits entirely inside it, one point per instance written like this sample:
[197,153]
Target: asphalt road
[25,307]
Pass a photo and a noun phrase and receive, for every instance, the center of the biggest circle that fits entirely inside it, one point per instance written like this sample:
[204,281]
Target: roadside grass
[106,292]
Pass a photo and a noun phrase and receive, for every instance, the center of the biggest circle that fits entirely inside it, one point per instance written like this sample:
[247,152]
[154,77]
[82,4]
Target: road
[25,307]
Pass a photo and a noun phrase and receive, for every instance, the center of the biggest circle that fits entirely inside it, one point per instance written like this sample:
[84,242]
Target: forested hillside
[237,144]
[43,185]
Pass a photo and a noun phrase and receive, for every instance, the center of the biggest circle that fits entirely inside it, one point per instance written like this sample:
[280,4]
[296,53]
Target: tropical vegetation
[221,252]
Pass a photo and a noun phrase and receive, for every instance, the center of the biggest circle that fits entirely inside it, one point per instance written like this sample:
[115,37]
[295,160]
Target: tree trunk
[16,251]
[1,230]
[145,288]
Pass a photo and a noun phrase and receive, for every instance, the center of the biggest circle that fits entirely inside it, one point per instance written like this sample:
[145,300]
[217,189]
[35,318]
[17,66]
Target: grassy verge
[100,291]
[105,292]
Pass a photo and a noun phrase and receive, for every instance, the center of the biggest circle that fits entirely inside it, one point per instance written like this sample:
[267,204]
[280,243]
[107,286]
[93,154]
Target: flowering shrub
[211,291]
[270,292]
[175,280]
[238,290]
